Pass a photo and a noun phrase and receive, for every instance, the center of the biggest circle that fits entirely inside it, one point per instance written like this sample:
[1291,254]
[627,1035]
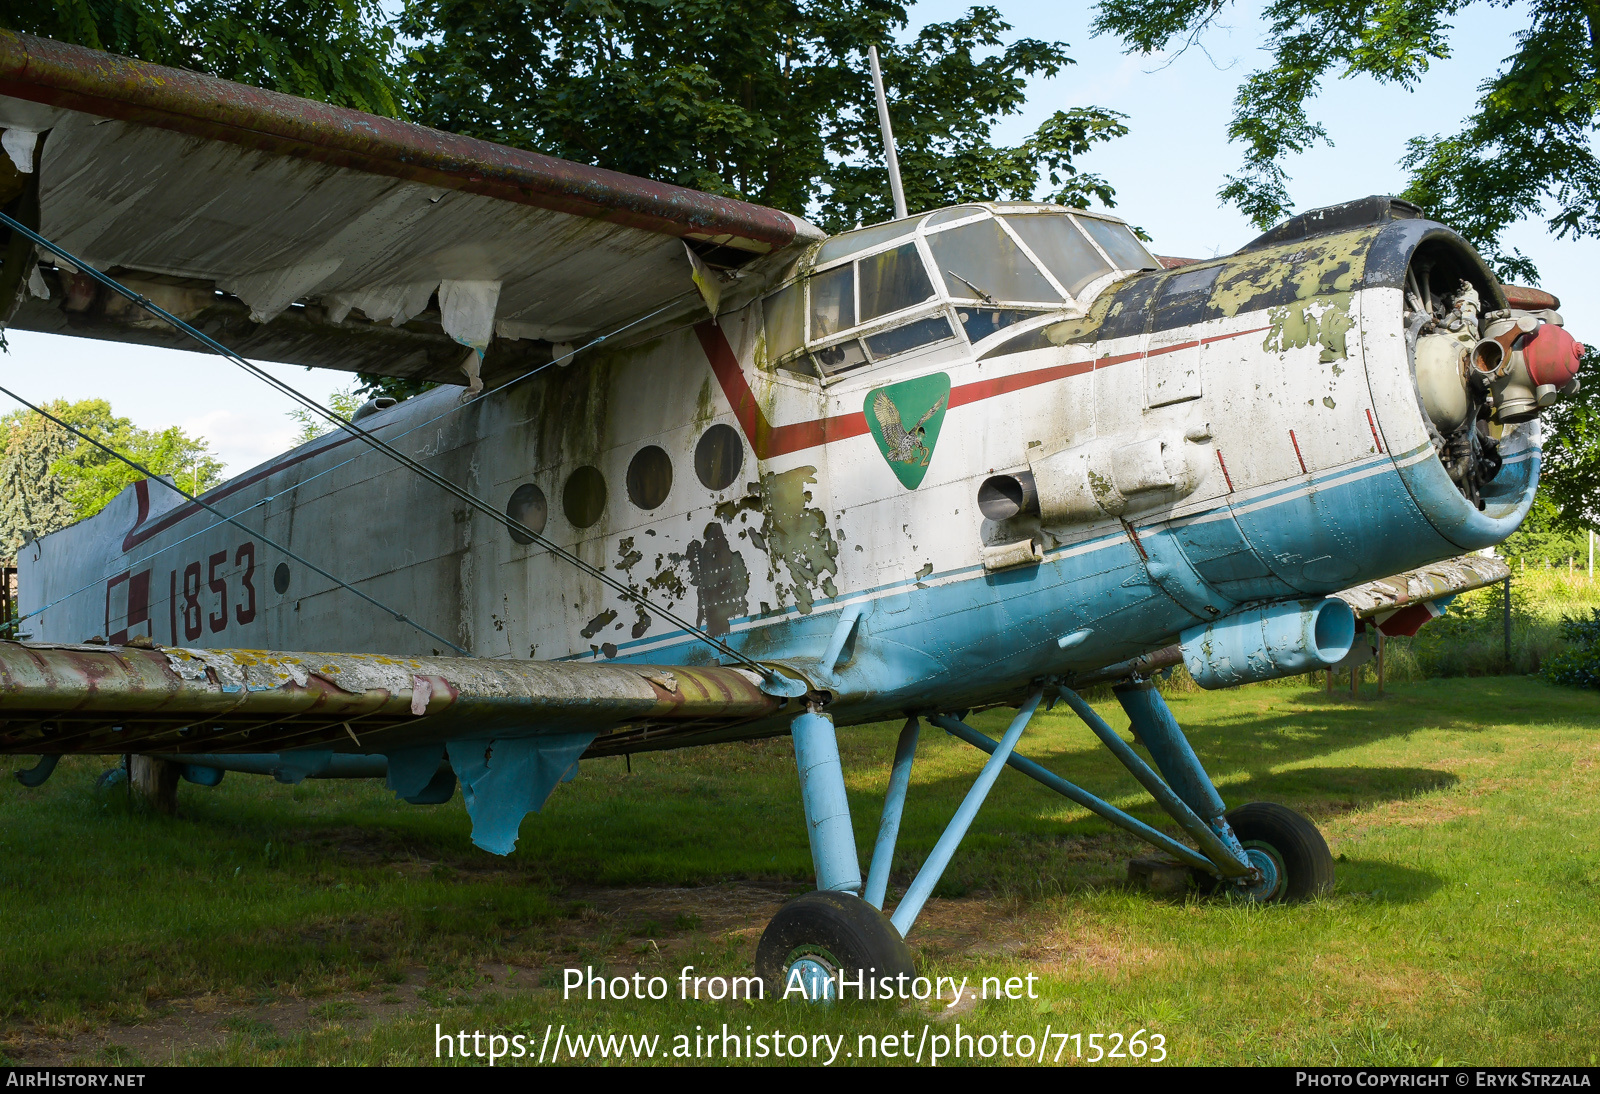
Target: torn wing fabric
[19,145]
[305,213]
[466,311]
[505,779]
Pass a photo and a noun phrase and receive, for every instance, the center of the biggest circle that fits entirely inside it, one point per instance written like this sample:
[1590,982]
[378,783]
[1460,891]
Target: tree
[343,403]
[1570,477]
[766,100]
[337,51]
[1525,150]
[50,478]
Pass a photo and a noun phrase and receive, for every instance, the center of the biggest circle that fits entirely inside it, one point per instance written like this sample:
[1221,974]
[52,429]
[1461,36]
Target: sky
[1166,173]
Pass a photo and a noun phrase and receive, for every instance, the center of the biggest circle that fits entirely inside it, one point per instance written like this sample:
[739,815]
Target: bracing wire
[147,473]
[270,498]
[416,467]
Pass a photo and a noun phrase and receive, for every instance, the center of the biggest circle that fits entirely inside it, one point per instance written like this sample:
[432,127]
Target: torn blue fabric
[411,769]
[505,779]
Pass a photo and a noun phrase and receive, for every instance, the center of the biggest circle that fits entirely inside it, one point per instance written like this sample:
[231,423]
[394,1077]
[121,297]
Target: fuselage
[1229,432]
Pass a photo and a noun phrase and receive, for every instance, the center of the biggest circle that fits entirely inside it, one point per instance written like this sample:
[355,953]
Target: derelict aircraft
[698,472]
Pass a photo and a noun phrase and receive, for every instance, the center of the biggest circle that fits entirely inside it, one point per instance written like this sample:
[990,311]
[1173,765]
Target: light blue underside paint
[1269,643]
[969,633]
[1101,808]
[894,803]
[505,779]
[411,769]
[921,888]
[827,807]
[1158,731]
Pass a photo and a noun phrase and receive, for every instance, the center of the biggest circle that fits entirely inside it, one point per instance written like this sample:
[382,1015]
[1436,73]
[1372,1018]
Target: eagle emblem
[903,445]
[908,448]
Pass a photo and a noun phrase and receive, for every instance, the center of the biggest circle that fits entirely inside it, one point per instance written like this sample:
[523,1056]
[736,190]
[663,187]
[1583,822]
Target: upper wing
[296,231]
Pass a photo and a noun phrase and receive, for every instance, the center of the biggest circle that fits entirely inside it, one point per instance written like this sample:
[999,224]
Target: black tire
[838,930]
[1293,841]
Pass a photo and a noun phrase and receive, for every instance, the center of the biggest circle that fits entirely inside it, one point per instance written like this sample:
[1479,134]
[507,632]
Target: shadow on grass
[1384,882]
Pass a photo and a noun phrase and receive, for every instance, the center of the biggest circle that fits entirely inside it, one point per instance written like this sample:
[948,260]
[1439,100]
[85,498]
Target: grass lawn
[327,923]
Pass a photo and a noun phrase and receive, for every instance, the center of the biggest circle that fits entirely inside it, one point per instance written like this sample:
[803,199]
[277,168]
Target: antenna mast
[895,191]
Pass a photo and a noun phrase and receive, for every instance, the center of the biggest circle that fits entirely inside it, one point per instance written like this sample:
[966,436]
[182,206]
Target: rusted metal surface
[1527,299]
[110,699]
[61,75]
[1447,578]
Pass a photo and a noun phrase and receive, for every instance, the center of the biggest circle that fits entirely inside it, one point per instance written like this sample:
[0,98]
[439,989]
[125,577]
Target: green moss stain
[1322,320]
[794,535]
[704,412]
[1316,267]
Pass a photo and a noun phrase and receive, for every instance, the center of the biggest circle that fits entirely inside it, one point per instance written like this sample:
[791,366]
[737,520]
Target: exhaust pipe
[1269,643]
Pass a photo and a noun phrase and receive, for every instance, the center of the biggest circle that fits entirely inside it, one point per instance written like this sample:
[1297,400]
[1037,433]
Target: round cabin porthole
[584,497]
[280,578]
[649,477]
[527,507]
[719,457]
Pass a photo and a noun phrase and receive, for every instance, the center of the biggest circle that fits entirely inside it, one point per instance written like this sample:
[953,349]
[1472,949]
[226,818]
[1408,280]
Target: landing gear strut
[1261,852]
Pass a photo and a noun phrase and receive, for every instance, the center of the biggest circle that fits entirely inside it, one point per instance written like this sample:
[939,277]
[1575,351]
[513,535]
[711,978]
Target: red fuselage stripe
[769,440]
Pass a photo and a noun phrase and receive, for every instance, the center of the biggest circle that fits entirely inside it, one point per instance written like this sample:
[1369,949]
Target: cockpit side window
[1061,247]
[833,301]
[892,281]
[784,313]
[1119,242]
[981,262]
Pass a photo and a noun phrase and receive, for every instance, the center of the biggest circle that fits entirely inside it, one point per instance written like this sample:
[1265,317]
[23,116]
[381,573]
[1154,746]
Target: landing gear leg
[816,937]
[1288,857]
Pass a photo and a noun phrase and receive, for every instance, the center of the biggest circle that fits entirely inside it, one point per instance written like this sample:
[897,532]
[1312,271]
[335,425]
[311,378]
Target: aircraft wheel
[817,935]
[1287,848]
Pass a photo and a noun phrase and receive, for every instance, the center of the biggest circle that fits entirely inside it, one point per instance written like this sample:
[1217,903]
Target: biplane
[695,471]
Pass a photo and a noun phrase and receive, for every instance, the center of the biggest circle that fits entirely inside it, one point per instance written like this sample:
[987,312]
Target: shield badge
[904,419]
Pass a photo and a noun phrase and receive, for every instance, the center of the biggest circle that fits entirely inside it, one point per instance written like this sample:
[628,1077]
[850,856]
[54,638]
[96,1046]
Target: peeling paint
[641,623]
[719,576]
[627,556]
[794,535]
[1320,267]
[1323,320]
[599,623]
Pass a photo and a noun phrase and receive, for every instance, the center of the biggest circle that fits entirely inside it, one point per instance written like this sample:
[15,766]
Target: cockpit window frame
[943,301]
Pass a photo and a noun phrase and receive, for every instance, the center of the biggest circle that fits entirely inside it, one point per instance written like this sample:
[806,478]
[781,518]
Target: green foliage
[1528,143]
[50,479]
[1570,474]
[767,100]
[337,51]
[312,426]
[372,385]
[1578,665]
[1543,537]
